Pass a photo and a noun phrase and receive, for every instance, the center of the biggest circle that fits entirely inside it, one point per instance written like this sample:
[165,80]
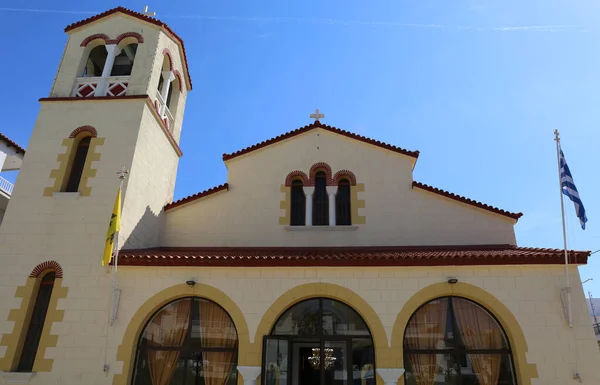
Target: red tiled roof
[465,255]
[468,201]
[143,17]
[317,124]
[10,143]
[199,195]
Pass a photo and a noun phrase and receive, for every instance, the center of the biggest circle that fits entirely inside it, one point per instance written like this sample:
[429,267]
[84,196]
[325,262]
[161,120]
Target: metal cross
[122,173]
[146,13]
[316,116]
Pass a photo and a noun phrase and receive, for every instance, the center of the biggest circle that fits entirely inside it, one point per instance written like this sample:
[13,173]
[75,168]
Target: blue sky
[477,86]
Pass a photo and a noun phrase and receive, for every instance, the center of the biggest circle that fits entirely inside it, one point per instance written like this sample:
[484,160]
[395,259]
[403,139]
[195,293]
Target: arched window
[452,340]
[124,61]
[189,341]
[36,323]
[298,209]
[77,164]
[320,200]
[319,341]
[95,62]
[342,204]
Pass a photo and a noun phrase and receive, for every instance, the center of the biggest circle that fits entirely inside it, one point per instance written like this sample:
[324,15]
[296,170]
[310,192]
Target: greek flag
[568,188]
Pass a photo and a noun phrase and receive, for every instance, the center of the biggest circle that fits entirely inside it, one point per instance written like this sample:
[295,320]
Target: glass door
[276,361]
[334,363]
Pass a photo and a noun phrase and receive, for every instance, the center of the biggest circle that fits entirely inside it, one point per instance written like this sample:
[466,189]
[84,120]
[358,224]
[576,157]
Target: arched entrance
[190,341]
[453,340]
[319,341]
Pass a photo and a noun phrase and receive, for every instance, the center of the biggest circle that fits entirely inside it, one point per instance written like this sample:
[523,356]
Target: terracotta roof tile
[143,17]
[10,143]
[317,124]
[463,255]
[199,195]
[468,201]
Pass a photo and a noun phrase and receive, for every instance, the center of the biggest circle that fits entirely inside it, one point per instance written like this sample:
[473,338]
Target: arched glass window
[189,341]
[320,200]
[342,204]
[95,62]
[298,209]
[319,341]
[36,323]
[452,340]
[124,61]
[76,167]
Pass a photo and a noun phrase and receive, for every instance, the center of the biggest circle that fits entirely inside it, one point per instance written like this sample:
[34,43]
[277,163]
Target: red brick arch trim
[81,129]
[45,266]
[344,174]
[95,36]
[316,167]
[178,76]
[296,174]
[140,38]
[167,53]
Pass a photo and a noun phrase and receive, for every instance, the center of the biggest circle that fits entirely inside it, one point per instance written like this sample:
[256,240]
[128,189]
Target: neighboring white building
[319,261]
[11,157]
[594,307]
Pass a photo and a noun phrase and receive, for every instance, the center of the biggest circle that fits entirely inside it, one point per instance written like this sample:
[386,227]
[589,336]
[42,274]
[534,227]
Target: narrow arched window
[298,211]
[320,200]
[95,62]
[342,204]
[36,323]
[76,168]
[124,61]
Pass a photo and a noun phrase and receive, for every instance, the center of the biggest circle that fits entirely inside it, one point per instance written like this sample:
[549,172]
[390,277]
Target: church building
[319,261]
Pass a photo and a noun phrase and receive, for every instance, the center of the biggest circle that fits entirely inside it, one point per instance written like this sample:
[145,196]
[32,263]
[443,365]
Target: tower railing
[89,87]
[6,186]
[164,112]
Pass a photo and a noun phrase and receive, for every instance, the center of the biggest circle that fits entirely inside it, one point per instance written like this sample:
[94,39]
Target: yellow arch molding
[312,290]
[127,349]
[525,371]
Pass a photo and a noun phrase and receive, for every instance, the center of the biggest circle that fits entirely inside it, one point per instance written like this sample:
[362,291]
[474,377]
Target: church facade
[319,261]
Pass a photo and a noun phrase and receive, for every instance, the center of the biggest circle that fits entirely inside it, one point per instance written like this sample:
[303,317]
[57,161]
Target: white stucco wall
[396,214]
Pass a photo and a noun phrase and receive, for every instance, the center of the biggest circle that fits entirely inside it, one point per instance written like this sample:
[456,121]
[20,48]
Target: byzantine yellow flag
[113,228]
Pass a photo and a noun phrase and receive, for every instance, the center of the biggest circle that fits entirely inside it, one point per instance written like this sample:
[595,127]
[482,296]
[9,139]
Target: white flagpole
[567,289]
[116,293]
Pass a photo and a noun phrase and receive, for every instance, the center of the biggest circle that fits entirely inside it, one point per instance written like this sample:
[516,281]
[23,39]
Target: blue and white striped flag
[568,188]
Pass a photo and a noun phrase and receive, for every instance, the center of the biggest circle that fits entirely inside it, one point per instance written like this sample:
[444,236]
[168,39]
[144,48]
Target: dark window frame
[77,165]
[320,208]
[343,205]
[458,353]
[297,203]
[36,323]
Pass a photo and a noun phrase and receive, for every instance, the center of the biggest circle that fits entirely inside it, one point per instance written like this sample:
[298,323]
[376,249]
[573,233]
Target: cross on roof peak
[146,13]
[316,116]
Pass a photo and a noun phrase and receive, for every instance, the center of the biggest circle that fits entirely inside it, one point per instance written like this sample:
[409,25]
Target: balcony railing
[89,87]
[164,112]
[6,186]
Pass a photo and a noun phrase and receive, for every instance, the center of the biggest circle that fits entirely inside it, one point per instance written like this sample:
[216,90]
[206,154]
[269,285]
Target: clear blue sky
[477,86]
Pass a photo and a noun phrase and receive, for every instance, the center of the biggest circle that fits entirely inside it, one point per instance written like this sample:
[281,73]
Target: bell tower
[117,100]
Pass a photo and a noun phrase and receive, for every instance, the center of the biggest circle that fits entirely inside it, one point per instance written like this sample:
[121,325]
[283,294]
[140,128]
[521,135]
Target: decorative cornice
[202,194]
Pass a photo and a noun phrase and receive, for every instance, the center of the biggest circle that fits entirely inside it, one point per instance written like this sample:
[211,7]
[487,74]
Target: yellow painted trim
[65,161]
[327,290]
[22,315]
[356,204]
[127,349]
[285,204]
[525,371]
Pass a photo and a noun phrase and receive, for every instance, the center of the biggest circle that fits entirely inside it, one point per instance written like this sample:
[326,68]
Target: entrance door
[319,341]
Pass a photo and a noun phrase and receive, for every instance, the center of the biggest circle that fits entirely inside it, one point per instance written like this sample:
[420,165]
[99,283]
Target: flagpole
[115,291]
[567,289]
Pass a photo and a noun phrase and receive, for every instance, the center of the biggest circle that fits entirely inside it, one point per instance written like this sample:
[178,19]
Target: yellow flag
[113,227]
